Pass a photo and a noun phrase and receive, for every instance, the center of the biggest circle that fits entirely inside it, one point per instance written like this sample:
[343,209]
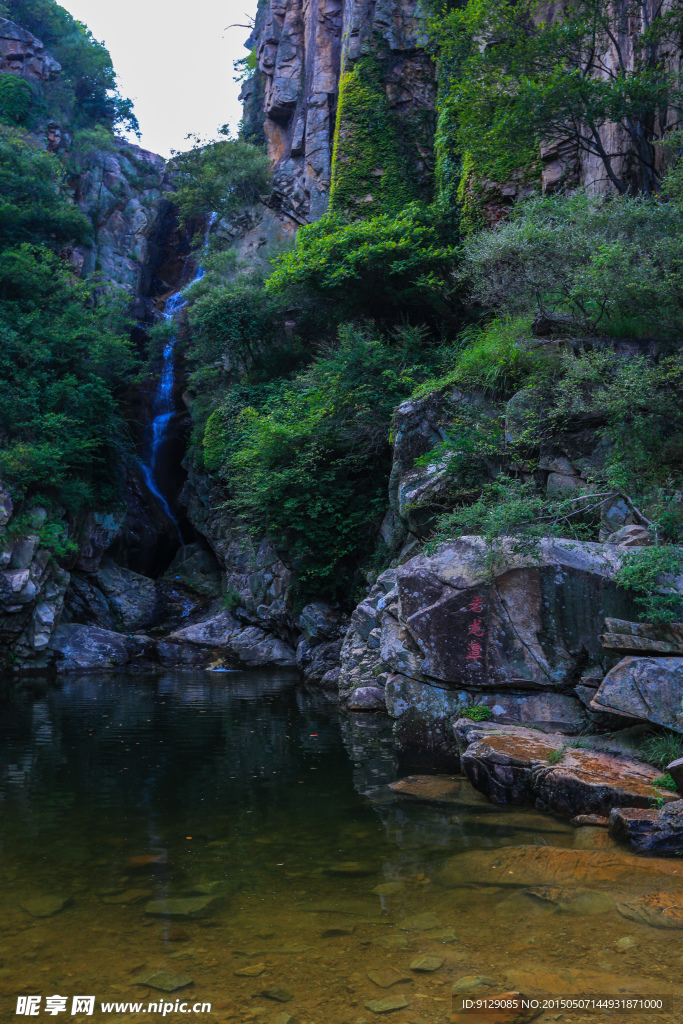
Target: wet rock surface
[524,767]
[650,830]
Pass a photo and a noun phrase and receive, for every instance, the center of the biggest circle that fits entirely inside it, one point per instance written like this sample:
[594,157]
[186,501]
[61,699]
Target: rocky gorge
[524,663]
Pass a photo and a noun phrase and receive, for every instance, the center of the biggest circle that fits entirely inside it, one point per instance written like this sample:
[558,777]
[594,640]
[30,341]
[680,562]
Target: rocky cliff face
[21,53]
[121,190]
[303,48]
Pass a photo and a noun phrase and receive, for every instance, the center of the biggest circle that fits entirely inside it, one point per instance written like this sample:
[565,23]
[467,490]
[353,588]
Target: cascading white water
[163,409]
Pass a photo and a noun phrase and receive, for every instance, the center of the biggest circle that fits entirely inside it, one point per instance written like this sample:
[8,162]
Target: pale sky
[174,60]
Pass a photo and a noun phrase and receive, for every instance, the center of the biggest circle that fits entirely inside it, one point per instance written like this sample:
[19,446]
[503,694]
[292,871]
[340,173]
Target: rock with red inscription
[532,627]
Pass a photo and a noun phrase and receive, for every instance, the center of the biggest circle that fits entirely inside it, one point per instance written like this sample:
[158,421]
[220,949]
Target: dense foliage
[307,460]
[615,266]
[62,355]
[85,92]
[219,177]
[385,264]
[516,75]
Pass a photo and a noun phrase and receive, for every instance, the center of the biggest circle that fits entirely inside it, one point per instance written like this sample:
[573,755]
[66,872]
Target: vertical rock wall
[303,47]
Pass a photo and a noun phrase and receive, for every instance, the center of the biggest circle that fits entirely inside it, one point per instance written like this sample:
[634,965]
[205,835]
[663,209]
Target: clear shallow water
[248,787]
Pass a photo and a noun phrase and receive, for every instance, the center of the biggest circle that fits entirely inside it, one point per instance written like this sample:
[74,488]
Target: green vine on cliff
[376,151]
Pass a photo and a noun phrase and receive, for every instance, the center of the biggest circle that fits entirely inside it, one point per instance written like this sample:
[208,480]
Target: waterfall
[163,409]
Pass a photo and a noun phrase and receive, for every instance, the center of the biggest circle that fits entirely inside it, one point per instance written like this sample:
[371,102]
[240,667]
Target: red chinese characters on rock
[474,652]
[475,649]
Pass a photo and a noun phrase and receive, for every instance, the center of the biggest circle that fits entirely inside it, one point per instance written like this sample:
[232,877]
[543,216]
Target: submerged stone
[277,994]
[438,789]
[389,888]
[571,901]
[337,930]
[387,1005]
[351,867]
[189,906]
[420,923]
[427,964]
[252,971]
[45,906]
[211,888]
[163,980]
[658,909]
[472,983]
[128,897]
[386,977]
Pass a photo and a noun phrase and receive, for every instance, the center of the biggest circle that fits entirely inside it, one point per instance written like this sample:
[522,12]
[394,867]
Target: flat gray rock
[163,980]
[649,689]
[277,994]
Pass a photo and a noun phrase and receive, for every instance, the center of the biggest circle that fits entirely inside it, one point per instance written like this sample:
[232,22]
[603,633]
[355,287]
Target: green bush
[35,204]
[381,267]
[16,97]
[615,266]
[85,92]
[308,463]
[476,712]
[220,177]
[64,353]
[649,573]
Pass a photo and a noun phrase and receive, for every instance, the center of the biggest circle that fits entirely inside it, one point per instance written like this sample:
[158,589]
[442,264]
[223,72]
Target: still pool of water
[234,835]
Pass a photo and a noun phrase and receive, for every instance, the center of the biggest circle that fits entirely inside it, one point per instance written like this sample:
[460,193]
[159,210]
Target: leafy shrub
[63,351]
[380,267]
[308,463]
[516,74]
[476,712]
[665,782]
[221,177]
[649,573]
[34,202]
[615,266]
[16,97]
[85,92]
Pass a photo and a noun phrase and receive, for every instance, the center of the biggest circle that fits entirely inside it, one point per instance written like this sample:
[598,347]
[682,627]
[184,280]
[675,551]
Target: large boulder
[649,689]
[77,648]
[533,625]
[222,639]
[650,830]
[522,766]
